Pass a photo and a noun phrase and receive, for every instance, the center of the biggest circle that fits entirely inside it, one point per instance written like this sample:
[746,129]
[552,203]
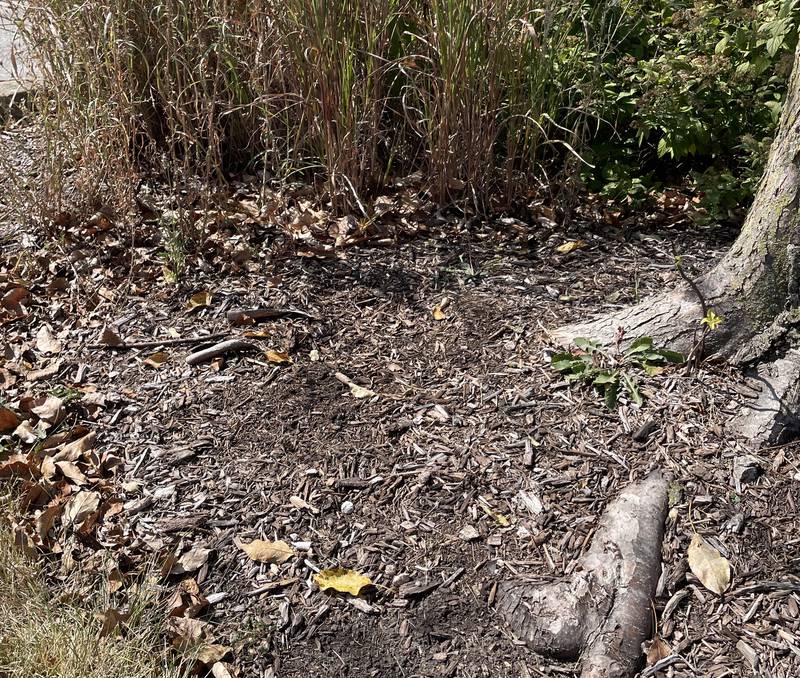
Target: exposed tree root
[602,614]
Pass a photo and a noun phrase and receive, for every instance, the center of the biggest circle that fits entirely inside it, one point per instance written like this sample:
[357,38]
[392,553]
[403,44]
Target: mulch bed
[470,462]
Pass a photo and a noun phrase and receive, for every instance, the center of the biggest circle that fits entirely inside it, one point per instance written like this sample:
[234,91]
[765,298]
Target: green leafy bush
[696,81]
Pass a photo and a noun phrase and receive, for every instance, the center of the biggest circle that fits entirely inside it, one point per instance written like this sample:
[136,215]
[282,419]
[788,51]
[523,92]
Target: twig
[219,349]
[238,316]
[163,342]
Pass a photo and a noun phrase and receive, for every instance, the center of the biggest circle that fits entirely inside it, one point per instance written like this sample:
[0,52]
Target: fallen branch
[230,346]
[154,343]
[241,316]
[602,614]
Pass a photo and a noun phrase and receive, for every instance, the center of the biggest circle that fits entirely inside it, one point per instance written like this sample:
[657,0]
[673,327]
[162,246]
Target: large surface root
[602,614]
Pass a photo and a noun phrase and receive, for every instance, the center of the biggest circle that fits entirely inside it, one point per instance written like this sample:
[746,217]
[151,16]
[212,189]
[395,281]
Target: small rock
[347,507]
[495,540]
[469,533]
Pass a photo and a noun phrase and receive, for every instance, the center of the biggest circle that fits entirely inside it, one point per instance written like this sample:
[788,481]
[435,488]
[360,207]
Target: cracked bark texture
[757,279]
[602,613]
[754,284]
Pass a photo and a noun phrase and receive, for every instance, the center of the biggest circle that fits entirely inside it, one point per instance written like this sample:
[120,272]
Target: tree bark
[755,288]
[756,280]
[602,614]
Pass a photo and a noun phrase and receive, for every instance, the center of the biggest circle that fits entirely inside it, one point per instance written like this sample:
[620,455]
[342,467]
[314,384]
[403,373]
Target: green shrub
[696,81]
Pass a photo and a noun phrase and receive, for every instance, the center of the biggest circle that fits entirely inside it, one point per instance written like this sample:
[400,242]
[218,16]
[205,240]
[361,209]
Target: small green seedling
[591,364]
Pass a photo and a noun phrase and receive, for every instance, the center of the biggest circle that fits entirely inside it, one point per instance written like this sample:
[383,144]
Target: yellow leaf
[499,518]
[279,357]
[268,551]
[570,246]
[342,580]
[157,359]
[198,301]
[705,562]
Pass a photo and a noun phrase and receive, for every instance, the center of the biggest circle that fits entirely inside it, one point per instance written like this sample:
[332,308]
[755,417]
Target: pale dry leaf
[571,246]
[49,371]
[28,434]
[300,503]
[355,390]
[77,448]
[342,580]
[50,411]
[191,560]
[706,563]
[187,632]
[46,342]
[211,653]
[70,471]
[261,551]
[80,507]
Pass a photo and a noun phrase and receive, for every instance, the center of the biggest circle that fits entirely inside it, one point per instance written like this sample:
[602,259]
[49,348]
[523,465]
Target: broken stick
[602,614]
[219,349]
[241,316]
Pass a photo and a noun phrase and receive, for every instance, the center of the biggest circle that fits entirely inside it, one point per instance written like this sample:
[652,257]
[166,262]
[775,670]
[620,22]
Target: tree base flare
[602,614]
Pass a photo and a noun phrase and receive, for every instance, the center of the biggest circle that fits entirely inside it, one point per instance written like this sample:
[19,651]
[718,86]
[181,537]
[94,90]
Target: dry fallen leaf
[186,601]
[8,420]
[211,653]
[111,619]
[657,649]
[186,632]
[198,301]
[355,390]
[79,508]
[571,246]
[109,338]
[499,518]
[342,580]
[157,360]
[268,551]
[278,357]
[46,342]
[191,561]
[50,411]
[705,562]
[72,472]
[438,310]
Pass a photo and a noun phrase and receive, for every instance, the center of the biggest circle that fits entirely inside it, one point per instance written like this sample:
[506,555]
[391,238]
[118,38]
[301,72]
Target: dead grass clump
[55,634]
[477,94]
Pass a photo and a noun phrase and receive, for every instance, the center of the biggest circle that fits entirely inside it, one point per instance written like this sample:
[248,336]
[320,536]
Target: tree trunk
[755,288]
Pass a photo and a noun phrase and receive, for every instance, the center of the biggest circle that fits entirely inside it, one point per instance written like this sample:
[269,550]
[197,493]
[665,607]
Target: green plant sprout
[610,374]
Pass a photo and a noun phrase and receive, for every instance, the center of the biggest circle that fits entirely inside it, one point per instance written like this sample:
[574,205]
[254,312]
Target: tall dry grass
[477,94]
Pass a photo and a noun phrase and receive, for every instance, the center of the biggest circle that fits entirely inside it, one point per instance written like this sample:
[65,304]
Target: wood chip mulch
[405,425]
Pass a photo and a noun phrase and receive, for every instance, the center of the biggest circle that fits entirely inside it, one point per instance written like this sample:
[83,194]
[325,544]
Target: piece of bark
[602,614]
[154,343]
[240,316]
[230,346]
